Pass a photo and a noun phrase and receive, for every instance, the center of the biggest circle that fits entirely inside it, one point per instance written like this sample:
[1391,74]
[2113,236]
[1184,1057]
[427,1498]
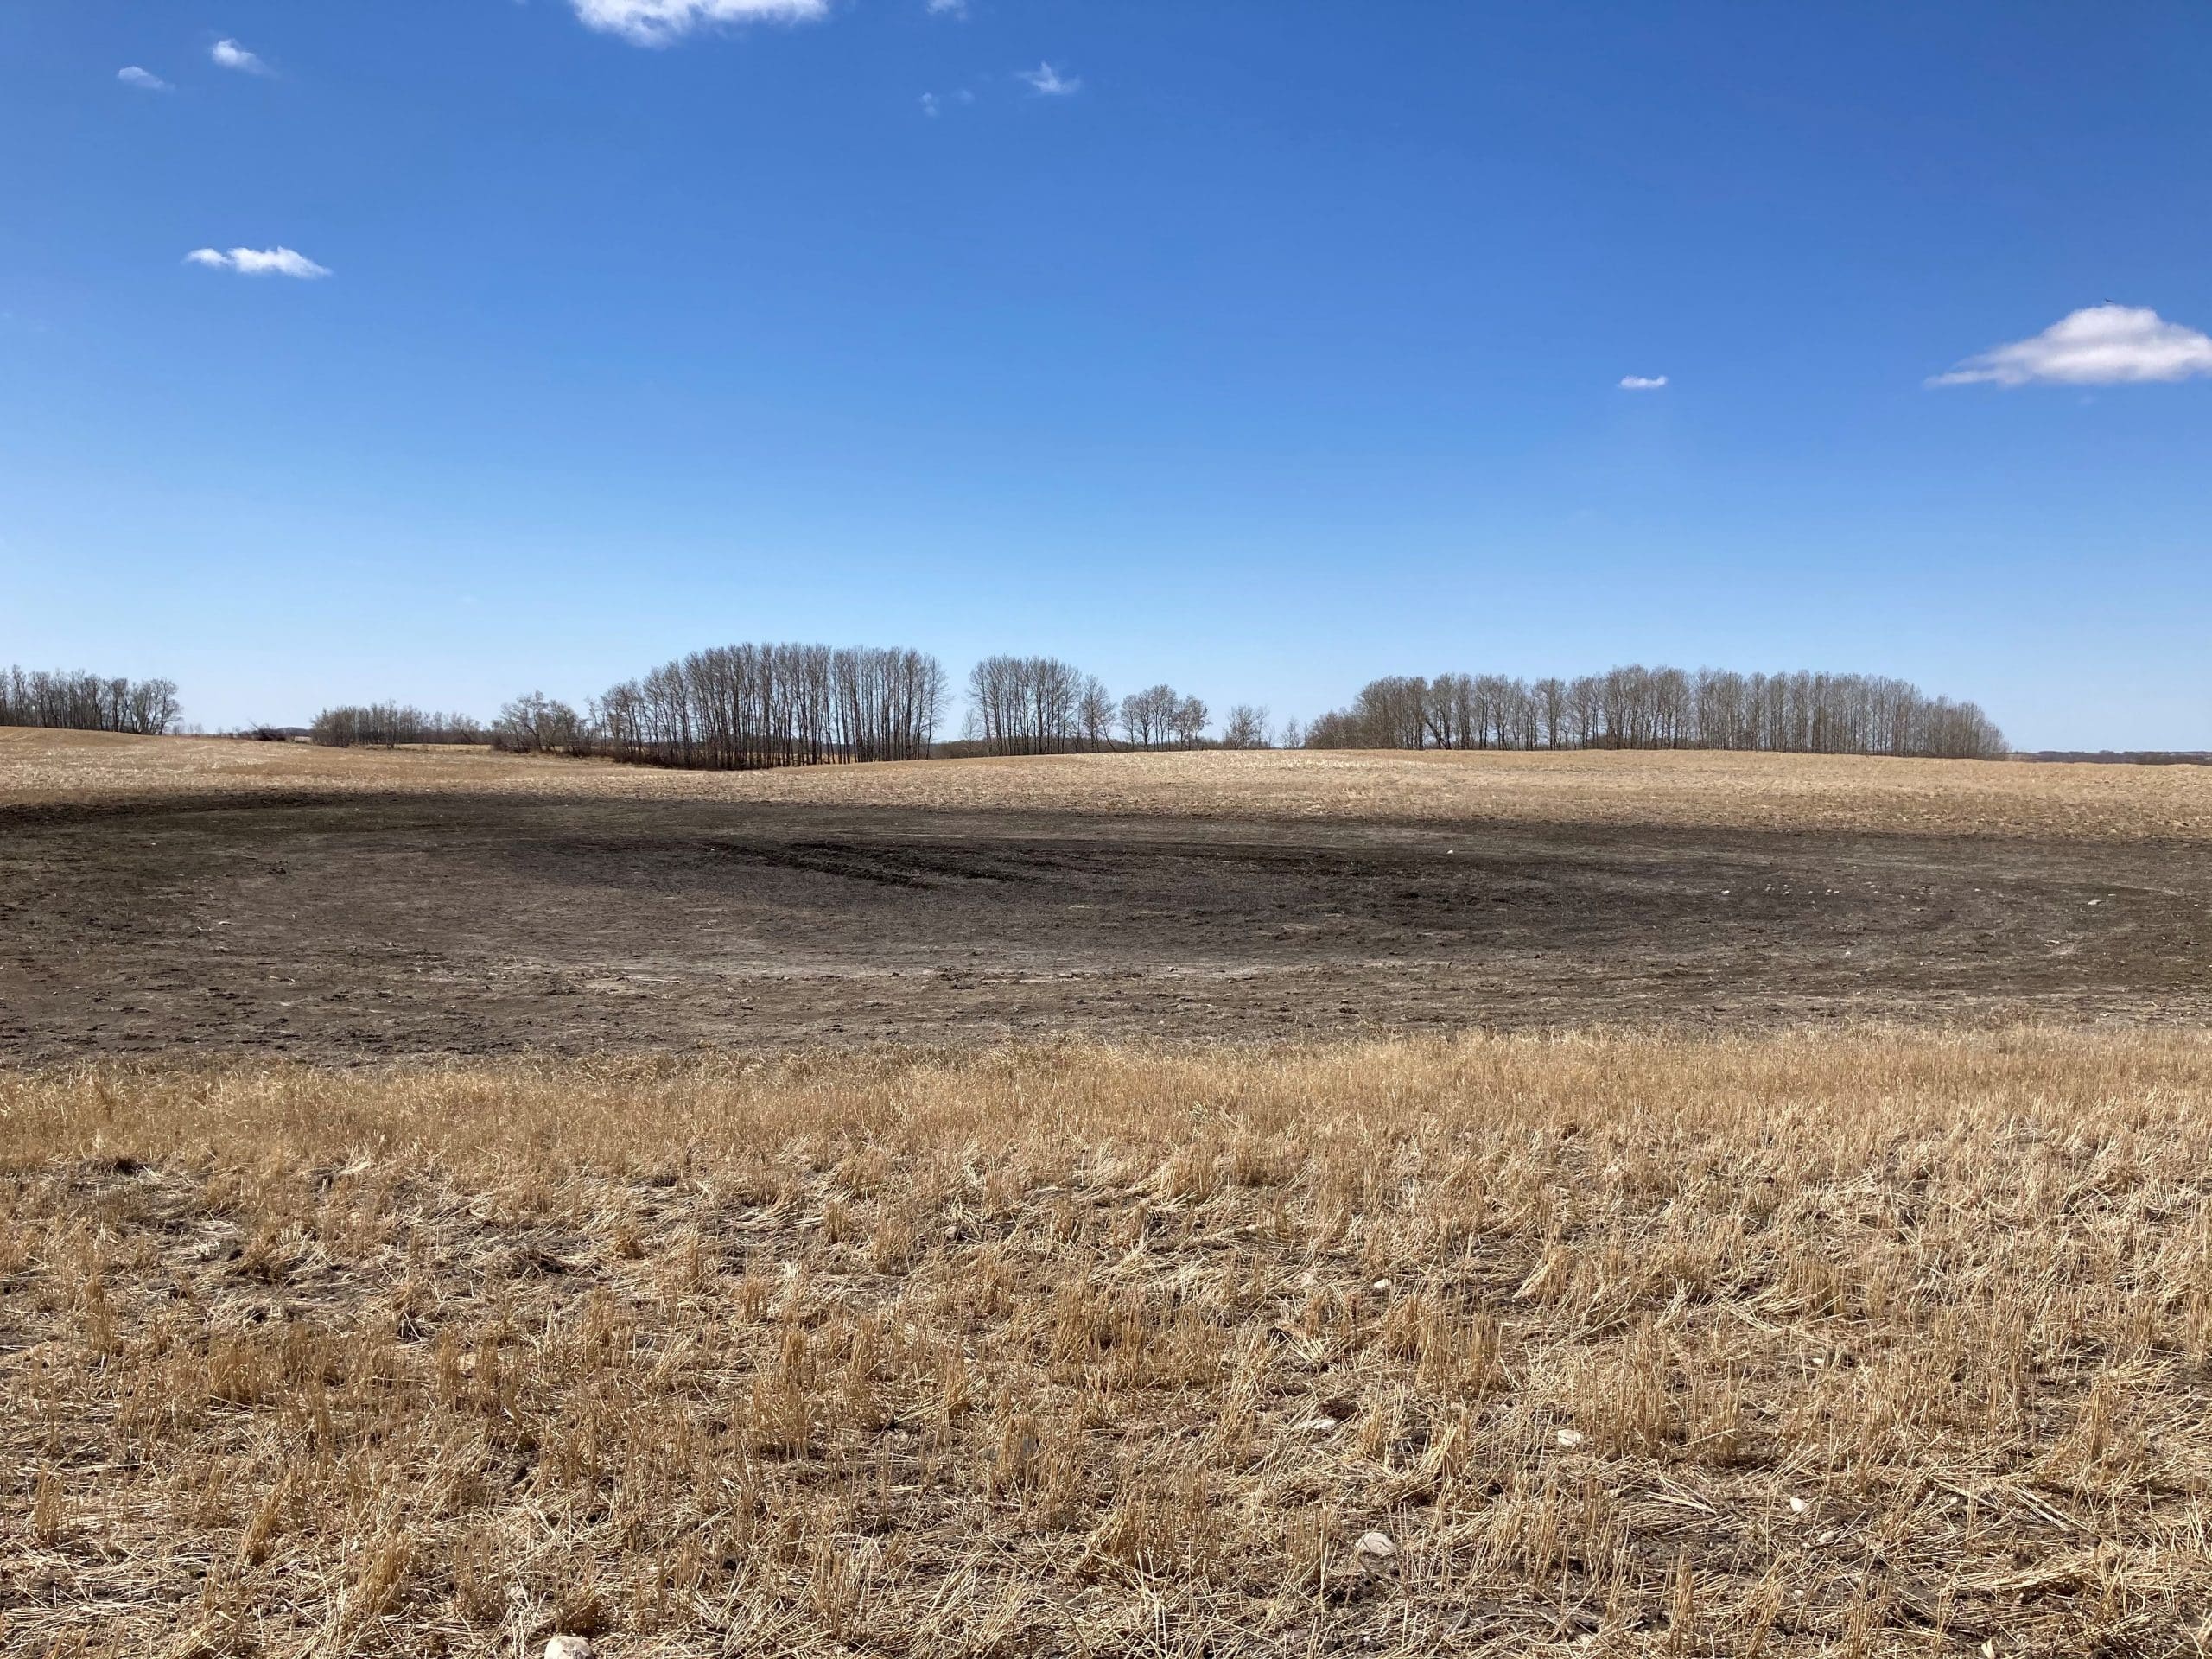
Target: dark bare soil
[367,927]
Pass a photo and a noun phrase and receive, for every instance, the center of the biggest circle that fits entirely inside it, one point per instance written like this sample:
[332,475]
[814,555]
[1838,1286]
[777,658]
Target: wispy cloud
[947,7]
[1643,382]
[231,55]
[657,22]
[144,79]
[933,104]
[1048,82]
[2098,346]
[258,262]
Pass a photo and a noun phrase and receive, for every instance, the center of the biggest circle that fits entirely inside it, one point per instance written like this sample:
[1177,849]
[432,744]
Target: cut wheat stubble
[1024,1351]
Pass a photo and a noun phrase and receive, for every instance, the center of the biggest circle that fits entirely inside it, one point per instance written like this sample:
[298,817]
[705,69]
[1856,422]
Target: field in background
[1867,1343]
[1666,789]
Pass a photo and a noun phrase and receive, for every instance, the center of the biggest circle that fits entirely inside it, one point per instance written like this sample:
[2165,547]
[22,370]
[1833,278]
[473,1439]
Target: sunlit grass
[1873,1343]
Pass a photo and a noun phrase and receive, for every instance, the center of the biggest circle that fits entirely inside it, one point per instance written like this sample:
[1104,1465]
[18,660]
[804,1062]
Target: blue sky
[1256,345]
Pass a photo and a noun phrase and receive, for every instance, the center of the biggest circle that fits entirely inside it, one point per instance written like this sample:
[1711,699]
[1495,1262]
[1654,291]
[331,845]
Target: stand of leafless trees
[1638,707]
[1037,705]
[387,725]
[87,702]
[735,706]
[537,724]
[1161,717]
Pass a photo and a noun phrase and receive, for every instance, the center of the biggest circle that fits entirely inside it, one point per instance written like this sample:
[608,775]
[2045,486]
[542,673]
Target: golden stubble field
[1659,789]
[1883,1341]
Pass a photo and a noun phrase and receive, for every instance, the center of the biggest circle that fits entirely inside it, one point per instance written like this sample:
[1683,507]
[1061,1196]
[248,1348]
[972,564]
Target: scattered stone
[1373,1552]
[1797,1506]
[1570,1438]
[569,1647]
[1323,1424]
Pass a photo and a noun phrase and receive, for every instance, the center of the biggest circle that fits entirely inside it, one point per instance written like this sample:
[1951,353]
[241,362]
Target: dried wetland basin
[446,1200]
[167,895]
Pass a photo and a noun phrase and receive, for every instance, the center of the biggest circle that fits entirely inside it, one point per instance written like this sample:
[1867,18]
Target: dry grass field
[1869,1343]
[1656,788]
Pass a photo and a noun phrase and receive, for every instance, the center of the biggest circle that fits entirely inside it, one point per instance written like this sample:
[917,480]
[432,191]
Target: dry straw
[1865,1343]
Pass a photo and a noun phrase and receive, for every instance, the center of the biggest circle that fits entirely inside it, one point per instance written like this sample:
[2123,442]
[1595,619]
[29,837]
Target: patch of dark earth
[361,928]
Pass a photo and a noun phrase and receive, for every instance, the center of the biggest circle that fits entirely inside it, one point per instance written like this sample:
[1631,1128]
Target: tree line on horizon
[748,705]
[71,700]
[1639,707]
[767,705]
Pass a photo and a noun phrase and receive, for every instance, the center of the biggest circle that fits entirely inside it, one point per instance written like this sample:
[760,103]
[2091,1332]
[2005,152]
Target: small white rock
[569,1647]
[1797,1506]
[1323,1424]
[1570,1438]
[1375,1547]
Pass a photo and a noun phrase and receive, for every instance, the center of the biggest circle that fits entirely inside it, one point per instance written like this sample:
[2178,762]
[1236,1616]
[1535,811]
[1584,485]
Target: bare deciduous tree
[1095,713]
[1189,721]
[537,724]
[1245,728]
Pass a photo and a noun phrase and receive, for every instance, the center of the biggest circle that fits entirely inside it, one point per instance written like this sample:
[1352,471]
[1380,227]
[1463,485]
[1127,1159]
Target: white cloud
[1048,82]
[947,7]
[657,22]
[232,55]
[932,103]
[258,262]
[2098,346]
[144,79]
[1643,382]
